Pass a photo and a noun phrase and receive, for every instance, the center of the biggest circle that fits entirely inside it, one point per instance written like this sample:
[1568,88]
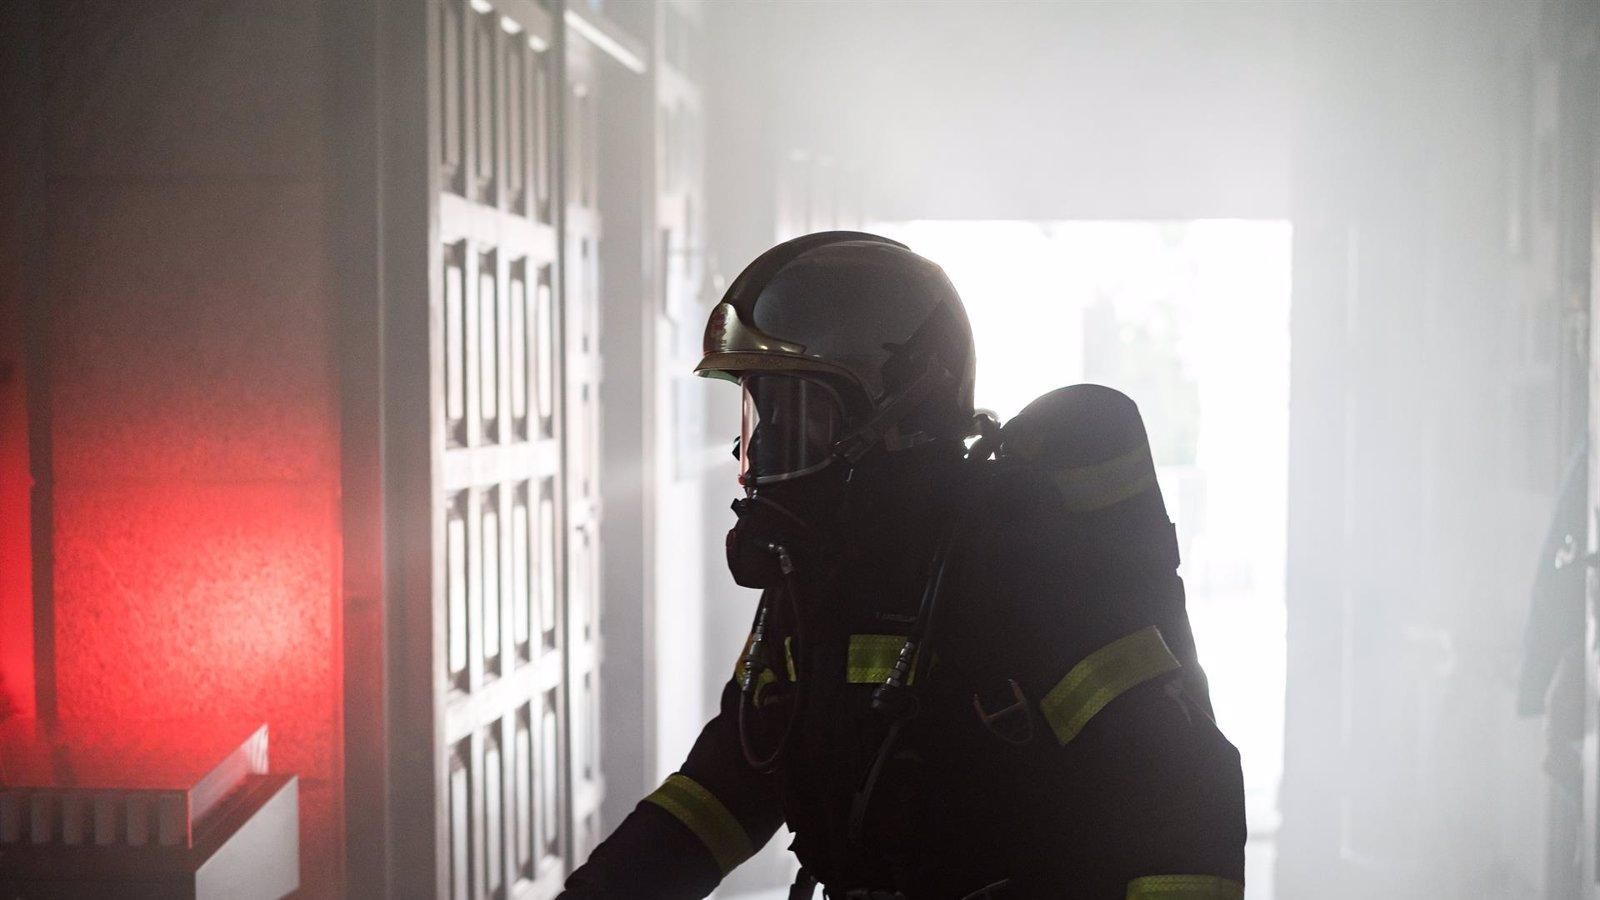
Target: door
[511,603]
[581,364]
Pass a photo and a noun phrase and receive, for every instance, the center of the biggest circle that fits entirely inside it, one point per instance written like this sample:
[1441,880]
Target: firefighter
[966,677]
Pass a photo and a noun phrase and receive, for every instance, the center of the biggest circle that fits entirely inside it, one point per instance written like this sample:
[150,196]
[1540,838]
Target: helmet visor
[789,427]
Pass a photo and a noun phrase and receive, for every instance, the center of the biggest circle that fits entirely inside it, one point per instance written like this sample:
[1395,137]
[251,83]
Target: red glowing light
[16,582]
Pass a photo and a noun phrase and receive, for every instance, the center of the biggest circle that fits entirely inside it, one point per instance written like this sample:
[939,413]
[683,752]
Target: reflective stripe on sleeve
[1102,677]
[872,656]
[705,815]
[1184,887]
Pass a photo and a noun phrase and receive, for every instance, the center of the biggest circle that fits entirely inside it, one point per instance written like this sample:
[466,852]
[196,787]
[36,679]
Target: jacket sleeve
[705,819]
[1146,799]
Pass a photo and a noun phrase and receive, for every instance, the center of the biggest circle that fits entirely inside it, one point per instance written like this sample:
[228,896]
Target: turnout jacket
[1060,742]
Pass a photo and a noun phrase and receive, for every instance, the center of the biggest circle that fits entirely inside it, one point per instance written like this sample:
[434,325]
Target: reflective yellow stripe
[766,676]
[1102,677]
[1088,488]
[872,657]
[738,664]
[705,815]
[1184,887]
[763,681]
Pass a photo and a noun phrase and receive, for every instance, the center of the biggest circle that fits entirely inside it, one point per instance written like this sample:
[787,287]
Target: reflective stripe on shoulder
[1184,887]
[1088,488]
[1102,677]
[705,815]
[872,656]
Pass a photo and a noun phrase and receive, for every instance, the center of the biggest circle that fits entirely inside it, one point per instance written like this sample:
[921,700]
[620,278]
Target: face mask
[782,529]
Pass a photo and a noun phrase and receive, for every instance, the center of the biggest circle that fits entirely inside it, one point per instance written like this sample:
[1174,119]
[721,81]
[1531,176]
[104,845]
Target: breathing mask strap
[857,444]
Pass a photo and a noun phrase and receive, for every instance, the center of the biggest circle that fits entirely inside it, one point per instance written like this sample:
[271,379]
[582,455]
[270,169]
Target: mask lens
[789,427]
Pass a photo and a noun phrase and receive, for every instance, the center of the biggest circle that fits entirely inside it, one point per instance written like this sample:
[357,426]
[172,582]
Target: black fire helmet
[843,342]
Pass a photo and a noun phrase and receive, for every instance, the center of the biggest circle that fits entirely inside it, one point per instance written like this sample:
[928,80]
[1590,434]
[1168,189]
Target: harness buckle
[1010,733]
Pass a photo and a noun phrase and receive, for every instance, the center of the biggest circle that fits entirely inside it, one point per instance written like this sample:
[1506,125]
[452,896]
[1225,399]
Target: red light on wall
[195,453]
[177,600]
[16,547]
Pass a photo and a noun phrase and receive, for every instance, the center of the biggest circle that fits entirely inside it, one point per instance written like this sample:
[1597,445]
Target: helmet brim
[730,365]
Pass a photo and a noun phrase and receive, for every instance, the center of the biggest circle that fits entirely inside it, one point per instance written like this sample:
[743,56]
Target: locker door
[1590,843]
[502,492]
[1589,847]
[581,512]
